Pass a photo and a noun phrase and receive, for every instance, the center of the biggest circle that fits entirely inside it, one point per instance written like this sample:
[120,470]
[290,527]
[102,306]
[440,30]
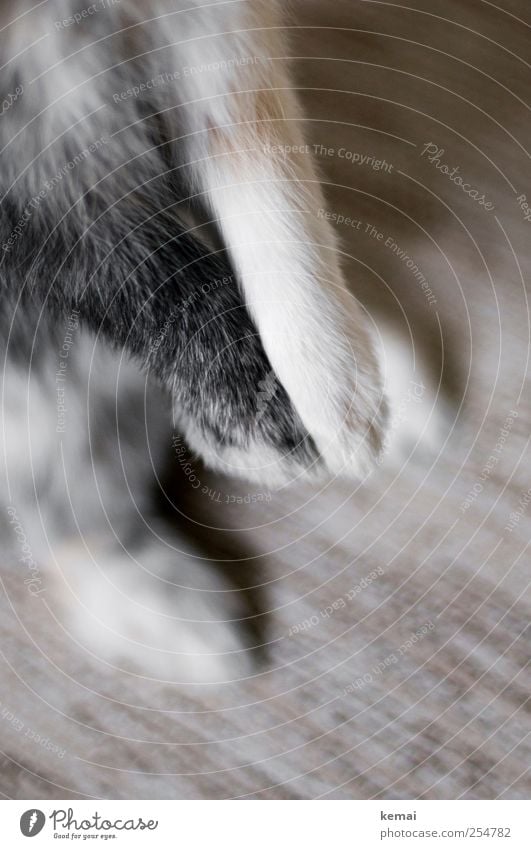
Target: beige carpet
[388,619]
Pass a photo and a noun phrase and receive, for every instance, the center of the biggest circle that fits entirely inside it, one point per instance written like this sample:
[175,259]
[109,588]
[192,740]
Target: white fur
[156,608]
[234,105]
[265,203]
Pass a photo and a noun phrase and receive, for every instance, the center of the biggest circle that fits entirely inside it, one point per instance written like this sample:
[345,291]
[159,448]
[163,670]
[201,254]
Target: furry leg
[241,123]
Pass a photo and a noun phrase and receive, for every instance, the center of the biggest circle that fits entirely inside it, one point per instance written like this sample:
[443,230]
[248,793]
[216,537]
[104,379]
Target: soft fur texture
[152,215]
[335,581]
[104,231]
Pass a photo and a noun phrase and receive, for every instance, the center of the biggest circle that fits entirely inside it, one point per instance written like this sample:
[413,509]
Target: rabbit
[100,153]
[163,267]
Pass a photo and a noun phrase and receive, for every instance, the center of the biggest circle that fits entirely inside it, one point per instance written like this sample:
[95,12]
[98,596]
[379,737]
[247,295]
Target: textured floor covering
[414,682]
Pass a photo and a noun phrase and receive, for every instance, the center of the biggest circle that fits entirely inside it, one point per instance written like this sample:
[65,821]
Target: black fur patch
[142,283]
[91,220]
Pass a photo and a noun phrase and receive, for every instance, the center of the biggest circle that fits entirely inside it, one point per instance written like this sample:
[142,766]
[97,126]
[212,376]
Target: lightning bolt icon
[32,821]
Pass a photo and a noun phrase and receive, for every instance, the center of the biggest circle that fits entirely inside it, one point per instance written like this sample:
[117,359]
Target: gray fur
[93,198]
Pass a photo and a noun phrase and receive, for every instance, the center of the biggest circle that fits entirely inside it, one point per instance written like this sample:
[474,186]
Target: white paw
[420,412]
[164,617]
[320,412]
[323,355]
[343,405]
